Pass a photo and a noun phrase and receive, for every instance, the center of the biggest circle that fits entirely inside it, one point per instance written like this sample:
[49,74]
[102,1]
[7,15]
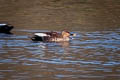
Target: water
[91,55]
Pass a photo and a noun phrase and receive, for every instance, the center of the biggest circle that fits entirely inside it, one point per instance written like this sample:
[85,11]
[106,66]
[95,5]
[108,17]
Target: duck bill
[73,34]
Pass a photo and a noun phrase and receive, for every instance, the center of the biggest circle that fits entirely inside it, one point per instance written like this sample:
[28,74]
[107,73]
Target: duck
[52,36]
[6,28]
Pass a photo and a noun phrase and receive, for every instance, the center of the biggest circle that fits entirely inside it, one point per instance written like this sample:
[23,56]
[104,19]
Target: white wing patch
[40,34]
[3,24]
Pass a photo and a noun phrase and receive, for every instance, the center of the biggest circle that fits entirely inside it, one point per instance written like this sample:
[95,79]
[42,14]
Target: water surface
[91,55]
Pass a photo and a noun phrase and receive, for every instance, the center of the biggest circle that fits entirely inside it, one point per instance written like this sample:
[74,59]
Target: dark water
[91,55]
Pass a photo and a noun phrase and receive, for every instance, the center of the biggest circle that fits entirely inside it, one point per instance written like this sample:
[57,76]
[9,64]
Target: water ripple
[89,55]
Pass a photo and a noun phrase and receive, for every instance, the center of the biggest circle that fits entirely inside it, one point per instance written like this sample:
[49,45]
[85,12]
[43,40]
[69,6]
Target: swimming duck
[5,28]
[52,36]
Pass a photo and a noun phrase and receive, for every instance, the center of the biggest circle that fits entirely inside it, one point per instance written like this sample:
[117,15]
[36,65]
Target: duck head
[67,34]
